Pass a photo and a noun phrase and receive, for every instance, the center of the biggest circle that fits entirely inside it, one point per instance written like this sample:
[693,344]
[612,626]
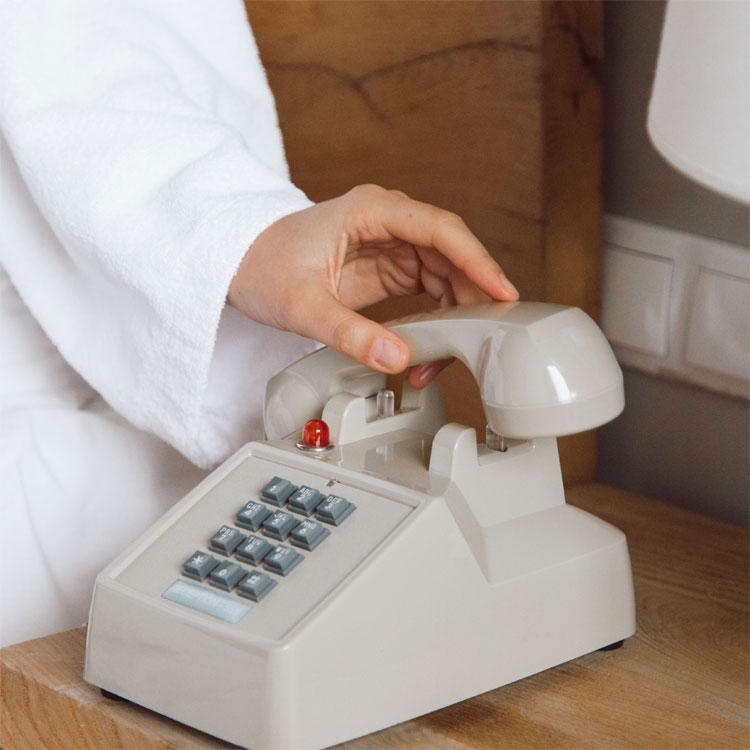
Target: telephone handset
[300,597]
[543,370]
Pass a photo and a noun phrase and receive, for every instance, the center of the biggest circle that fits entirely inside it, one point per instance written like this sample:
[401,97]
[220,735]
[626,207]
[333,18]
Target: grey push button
[279,525]
[226,540]
[282,560]
[227,575]
[223,606]
[254,549]
[277,491]
[334,510]
[199,565]
[304,500]
[252,515]
[256,586]
[309,534]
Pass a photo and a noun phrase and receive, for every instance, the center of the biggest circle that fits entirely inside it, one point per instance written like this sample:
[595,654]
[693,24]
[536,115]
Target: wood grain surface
[489,109]
[681,682]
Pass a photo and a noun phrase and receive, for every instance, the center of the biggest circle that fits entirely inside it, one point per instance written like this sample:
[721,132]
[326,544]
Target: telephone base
[613,646]
[111,696]
[404,569]
[392,617]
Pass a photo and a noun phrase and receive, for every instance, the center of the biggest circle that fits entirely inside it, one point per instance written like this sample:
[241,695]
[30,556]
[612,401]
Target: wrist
[257,273]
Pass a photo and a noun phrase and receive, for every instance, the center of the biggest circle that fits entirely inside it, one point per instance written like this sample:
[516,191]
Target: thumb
[352,334]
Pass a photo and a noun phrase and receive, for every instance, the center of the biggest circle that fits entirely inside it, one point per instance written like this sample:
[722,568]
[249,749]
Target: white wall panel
[715,341]
[677,304]
[637,288]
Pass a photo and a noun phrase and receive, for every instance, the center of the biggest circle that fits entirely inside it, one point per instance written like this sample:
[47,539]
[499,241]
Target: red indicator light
[315,434]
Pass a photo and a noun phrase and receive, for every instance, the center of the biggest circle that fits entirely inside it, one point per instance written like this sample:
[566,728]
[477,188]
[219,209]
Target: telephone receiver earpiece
[543,370]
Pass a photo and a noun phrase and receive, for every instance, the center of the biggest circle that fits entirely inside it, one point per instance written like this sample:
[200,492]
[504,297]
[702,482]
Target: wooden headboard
[489,109]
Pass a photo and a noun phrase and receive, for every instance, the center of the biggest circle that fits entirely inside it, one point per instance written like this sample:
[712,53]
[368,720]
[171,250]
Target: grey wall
[681,444]
[675,442]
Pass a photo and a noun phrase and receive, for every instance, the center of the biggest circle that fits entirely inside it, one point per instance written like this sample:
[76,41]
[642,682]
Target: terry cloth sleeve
[146,137]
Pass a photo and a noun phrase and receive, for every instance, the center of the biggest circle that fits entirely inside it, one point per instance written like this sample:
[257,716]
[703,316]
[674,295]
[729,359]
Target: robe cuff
[176,375]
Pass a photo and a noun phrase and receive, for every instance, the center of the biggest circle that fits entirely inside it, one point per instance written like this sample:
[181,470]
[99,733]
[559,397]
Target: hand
[310,271]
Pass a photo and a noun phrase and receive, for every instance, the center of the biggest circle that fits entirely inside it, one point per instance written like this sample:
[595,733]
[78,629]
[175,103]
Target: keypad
[254,549]
[199,565]
[282,560]
[277,491]
[264,514]
[227,575]
[252,515]
[309,534]
[279,525]
[226,540]
[304,500]
[256,586]
[334,510]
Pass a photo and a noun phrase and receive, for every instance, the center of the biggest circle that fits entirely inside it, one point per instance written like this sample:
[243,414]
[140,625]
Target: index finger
[422,224]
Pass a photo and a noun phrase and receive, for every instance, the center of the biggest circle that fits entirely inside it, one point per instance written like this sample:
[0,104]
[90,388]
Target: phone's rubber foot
[110,696]
[612,646]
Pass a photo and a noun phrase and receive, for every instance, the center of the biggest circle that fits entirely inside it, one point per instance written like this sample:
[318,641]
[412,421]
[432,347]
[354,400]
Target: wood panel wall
[489,109]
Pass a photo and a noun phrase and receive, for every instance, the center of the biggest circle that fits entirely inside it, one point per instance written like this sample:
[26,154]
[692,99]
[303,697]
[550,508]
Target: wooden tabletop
[680,682]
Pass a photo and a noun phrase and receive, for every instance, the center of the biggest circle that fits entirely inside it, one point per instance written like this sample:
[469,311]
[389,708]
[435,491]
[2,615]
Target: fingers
[438,287]
[427,226]
[329,321]
[365,341]
[423,375]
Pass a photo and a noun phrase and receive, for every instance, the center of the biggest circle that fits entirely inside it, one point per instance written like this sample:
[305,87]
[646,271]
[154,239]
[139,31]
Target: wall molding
[677,304]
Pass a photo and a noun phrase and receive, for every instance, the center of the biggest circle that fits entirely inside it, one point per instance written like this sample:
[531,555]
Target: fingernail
[428,372]
[388,354]
[508,288]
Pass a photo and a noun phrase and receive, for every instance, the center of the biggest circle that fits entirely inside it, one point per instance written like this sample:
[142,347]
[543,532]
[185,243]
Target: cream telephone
[317,587]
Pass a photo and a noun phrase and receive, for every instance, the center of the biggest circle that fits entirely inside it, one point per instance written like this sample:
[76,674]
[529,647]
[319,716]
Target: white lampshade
[699,118]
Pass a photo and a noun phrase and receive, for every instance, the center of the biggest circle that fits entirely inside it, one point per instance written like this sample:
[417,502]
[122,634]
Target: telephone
[366,565]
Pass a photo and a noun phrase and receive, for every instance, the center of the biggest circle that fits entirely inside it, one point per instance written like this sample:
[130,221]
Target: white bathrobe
[141,157]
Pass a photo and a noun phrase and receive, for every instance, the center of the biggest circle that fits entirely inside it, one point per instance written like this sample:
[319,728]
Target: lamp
[699,116]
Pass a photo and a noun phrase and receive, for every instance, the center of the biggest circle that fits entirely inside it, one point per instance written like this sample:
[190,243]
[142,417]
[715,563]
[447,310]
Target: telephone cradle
[308,593]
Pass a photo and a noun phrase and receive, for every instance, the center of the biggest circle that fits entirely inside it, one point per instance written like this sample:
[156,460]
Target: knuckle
[344,334]
[367,192]
[452,219]
[398,194]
